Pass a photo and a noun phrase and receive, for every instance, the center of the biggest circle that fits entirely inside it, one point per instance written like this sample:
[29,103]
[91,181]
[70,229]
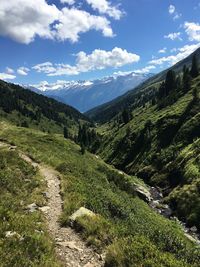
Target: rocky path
[70,248]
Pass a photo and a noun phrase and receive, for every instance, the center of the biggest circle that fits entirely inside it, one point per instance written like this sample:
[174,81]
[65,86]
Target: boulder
[80,213]
[143,193]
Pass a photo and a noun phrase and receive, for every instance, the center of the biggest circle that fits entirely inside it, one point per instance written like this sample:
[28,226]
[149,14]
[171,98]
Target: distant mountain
[85,95]
[107,111]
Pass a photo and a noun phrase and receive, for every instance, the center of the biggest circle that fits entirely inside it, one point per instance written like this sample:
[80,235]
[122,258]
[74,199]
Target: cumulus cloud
[162,51]
[97,60]
[193,31]
[9,70]
[23,20]
[7,76]
[23,71]
[172,59]
[104,7]
[173,36]
[73,21]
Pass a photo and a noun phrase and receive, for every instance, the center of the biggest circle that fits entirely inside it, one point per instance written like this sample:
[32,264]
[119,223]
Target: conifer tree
[194,72]
[161,91]
[170,82]
[186,79]
[65,132]
[126,116]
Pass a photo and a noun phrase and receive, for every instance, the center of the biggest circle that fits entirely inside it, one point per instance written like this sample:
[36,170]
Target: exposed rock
[193,229]
[46,195]
[32,207]
[89,264]
[155,193]
[190,238]
[143,193]
[69,244]
[44,209]
[166,211]
[79,213]
[10,234]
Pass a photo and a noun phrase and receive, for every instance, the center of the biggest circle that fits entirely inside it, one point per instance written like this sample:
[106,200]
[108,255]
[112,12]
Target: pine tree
[195,94]
[186,79]
[170,82]
[82,149]
[161,91]
[65,132]
[194,72]
[126,116]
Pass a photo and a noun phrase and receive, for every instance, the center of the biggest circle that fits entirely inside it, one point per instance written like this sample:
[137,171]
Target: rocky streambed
[157,204]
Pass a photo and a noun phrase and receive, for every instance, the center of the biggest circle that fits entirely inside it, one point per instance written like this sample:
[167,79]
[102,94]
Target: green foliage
[194,69]
[65,132]
[28,109]
[30,244]
[139,251]
[88,181]
[126,116]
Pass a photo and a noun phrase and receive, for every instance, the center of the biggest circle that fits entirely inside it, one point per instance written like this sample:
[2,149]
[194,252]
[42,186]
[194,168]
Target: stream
[157,204]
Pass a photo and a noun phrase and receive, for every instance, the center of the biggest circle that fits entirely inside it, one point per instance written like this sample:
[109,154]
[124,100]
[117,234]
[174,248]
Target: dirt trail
[70,248]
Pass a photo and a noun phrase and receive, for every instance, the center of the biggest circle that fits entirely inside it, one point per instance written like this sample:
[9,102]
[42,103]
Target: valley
[129,168]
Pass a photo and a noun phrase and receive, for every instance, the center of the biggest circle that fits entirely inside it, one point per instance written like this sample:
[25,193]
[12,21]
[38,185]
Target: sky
[49,41]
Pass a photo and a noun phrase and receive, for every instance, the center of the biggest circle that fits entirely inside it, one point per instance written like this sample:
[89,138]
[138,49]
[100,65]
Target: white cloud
[97,60]
[7,76]
[104,7]
[193,31]
[23,71]
[145,70]
[177,16]
[173,36]
[46,67]
[100,59]
[73,21]
[183,52]
[173,50]
[171,9]
[69,2]
[162,51]
[9,70]
[23,20]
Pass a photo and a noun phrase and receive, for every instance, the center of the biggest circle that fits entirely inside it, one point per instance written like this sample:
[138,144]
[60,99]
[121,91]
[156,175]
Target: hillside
[125,227]
[84,95]
[107,111]
[29,109]
[158,140]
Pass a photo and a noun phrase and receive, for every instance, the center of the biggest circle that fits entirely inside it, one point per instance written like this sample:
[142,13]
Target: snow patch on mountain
[85,95]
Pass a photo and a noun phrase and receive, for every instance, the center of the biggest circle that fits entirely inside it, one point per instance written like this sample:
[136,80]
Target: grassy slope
[125,222]
[108,110]
[23,107]
[174,129]
[21,185]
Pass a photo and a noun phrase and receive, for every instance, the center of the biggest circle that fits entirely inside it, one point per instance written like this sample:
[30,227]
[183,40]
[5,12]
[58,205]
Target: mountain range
[131,171]
[85,95]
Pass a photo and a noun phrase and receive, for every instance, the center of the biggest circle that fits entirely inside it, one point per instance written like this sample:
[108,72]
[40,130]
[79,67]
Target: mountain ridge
[84,95]
[110,109]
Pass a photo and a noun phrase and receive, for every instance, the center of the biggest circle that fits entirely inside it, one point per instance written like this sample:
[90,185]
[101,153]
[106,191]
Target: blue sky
[87,39]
